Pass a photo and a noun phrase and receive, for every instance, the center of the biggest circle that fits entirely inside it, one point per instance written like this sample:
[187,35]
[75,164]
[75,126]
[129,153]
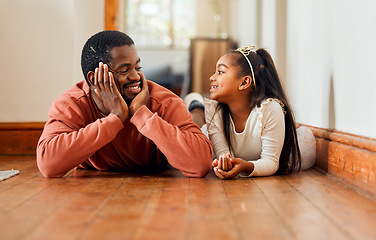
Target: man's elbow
[47,168]
[49,174]
[203,171]
[202,168]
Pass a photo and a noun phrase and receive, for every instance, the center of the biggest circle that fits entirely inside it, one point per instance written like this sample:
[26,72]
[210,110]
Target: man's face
[126,69]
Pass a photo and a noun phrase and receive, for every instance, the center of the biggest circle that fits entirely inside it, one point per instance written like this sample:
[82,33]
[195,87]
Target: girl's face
[225,82]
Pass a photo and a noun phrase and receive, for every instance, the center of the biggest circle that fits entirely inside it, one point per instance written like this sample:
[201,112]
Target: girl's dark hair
[268,85]
[97,49]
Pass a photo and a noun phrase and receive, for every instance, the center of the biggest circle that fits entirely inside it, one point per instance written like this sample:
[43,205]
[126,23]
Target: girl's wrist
[248,168]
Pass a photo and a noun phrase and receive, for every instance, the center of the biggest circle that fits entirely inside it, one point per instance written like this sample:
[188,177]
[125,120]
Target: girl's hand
[223,162]
[239,166]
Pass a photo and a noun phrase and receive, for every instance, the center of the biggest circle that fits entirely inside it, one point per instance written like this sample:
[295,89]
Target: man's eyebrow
[128,64]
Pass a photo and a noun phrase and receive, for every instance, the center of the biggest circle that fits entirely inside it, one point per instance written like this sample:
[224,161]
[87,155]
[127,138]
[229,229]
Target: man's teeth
[134,87]
[211,87]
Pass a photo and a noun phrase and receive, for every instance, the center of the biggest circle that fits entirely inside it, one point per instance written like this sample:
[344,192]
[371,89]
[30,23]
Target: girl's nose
[212,78]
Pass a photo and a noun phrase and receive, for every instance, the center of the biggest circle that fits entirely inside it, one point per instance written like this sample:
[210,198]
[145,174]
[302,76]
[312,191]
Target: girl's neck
[240,110]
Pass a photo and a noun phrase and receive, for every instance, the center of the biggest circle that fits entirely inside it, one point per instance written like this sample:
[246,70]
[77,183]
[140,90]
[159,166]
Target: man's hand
[105,88]
[142,98]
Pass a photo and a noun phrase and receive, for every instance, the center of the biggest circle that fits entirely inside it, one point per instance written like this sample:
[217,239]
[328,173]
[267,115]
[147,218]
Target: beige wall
[40,47]
[324,51]
[36,59]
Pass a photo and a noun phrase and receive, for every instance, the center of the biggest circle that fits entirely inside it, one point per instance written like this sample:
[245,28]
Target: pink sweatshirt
[77,135]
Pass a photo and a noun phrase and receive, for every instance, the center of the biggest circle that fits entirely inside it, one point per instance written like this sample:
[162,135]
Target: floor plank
[79,211]
[109,205]
[303,219]
[254,213]
[121,214]
[349,211]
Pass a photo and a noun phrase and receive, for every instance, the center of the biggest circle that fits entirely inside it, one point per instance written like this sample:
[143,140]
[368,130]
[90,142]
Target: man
[119,121]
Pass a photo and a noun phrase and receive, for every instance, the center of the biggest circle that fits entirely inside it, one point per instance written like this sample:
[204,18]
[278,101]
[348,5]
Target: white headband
[245,52]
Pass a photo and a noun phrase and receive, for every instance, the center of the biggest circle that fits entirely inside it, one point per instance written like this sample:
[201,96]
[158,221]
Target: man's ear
[246,83]
[90,77]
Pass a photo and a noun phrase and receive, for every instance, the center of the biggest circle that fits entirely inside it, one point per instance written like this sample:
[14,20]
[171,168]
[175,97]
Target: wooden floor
[102,205]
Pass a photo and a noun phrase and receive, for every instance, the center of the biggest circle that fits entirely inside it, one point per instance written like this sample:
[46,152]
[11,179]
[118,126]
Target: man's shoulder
[78,95]
[78,91]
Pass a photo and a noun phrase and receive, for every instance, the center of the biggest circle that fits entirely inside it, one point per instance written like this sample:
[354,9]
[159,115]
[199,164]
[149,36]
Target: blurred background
[324,50]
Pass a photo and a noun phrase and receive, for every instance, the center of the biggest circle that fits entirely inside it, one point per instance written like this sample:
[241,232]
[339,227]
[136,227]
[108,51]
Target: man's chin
[128,99]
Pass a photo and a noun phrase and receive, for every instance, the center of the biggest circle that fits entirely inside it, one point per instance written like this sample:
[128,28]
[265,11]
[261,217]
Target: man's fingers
[112,84]
[96,78]
[144,83]
[105,76]
[100,76]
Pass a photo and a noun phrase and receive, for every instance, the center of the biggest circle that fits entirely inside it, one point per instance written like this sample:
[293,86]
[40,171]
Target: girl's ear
[246,83]
[90,77]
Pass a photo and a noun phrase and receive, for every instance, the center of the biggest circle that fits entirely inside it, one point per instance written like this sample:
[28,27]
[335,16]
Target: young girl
[249,120]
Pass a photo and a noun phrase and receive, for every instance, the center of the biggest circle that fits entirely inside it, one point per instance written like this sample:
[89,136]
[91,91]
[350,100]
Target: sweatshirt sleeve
[272,132]
[67,140]
[177,137]
[214,123]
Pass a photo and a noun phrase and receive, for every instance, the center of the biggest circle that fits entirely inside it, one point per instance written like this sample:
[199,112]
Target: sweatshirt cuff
[140,117]
[116,124]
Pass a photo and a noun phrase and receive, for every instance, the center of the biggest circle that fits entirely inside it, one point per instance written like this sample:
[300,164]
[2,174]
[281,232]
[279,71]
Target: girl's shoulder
[210,106]
[271,104]
[270,107]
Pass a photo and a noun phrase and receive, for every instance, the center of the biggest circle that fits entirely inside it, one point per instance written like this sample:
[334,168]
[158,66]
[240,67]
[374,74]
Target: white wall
[330,63]
[324,51]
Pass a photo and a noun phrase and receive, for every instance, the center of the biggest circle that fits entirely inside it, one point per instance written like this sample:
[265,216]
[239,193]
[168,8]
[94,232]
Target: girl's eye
[220,72]
[138,68]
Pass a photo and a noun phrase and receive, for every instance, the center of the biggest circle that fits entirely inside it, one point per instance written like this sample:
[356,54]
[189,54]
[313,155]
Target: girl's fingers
[218,174]
[226,175]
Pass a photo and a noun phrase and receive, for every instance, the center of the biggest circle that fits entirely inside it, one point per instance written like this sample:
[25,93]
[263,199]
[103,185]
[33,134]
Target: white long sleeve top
[261,141]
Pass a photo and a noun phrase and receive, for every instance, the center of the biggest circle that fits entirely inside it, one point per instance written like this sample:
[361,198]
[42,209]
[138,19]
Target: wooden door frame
[111,12]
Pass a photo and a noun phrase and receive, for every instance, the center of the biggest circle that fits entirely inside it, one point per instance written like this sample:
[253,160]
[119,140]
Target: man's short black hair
[97,49]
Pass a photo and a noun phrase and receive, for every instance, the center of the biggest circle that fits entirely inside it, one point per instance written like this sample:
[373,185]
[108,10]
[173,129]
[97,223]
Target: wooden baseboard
[19,138]
[347,157]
